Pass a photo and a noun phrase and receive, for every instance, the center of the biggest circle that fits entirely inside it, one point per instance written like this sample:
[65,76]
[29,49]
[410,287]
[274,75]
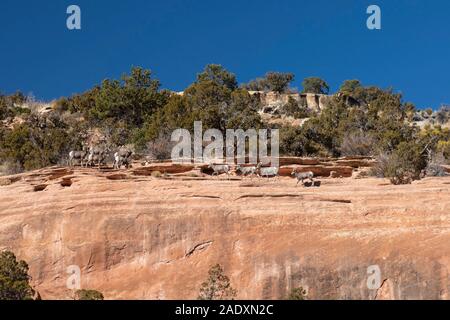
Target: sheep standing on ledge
[220,168]
[301,176]
[122,158]
[246,171]
[266,171]
[79,156]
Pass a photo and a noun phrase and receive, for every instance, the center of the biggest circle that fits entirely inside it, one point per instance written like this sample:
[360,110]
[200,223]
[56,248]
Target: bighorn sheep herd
[260,171]
[97,155]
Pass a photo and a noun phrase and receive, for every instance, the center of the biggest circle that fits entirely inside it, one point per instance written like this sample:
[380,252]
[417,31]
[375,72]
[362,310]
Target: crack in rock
[198,247]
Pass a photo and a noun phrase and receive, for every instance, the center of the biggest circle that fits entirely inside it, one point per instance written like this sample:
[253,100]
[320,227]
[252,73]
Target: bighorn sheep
[80,156]
[301,176]
[96,159]
[122,157]
[266,171]
[120,161]
[220,168]
[97,155]
[246,171]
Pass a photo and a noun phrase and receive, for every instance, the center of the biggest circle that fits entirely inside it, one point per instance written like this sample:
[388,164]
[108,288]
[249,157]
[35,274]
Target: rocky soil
[137,236]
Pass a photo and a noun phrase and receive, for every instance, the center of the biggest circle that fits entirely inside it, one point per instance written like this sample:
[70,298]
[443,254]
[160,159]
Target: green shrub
[403,165]
[315,85]
[294,109]
[84,294]
[272,81]
[300,141]
[297,294]
[14,278]
[208,100]
[218,75]
[350,86]
[217,286]
[38,142]
[10,105]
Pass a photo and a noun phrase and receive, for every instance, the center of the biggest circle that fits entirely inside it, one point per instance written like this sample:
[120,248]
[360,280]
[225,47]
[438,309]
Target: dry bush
[357,144]
[388,166]
[402,176]
[156,174]
[443,147]
[9,168]
[435,166]
[401,166]
[160,148]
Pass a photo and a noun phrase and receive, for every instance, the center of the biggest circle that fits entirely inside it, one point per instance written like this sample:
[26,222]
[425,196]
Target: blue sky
[176,39]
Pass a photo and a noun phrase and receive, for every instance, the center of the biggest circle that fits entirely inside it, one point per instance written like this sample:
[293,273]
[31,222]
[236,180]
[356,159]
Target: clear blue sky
[176,39]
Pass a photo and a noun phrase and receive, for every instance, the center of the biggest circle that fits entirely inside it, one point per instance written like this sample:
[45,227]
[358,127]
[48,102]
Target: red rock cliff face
[147,238]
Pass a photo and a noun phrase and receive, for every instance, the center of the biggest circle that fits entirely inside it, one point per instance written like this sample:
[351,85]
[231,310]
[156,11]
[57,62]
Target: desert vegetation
[136,111]
[298,294]
[217,286]
[87,294]
[15,281]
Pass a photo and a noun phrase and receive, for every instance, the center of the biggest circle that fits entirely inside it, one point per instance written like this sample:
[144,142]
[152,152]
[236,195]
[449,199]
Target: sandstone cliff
[136,236]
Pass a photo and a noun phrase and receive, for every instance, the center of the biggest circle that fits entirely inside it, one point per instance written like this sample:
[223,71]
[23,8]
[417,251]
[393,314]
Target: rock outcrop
[141,237]
[272,101]
[321,167]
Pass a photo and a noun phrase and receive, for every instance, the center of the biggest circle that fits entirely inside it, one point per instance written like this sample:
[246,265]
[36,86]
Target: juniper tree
[14,278]
[217,286]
